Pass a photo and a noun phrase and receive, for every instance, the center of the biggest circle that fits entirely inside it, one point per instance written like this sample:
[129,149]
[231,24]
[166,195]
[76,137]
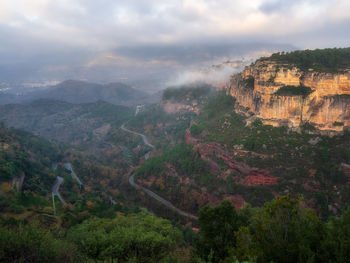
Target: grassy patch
[338,123]
[294,91]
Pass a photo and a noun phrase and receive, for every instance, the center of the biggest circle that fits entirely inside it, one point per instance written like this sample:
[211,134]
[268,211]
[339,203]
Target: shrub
[31,244]
[142,237]
[294,91]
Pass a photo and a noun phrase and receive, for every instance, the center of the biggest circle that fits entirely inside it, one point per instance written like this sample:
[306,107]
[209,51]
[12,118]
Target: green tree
[142,238]
[336,246]
[284,231]
[217,227]
[32,244]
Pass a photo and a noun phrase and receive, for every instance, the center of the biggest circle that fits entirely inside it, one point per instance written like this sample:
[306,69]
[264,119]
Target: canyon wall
[327,107]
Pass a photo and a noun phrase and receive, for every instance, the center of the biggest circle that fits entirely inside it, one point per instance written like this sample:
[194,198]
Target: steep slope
[30,167]
[288,89]
[25,165]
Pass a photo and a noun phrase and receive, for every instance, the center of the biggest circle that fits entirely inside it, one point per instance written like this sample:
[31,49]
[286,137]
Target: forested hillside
[83,126]
[76,91]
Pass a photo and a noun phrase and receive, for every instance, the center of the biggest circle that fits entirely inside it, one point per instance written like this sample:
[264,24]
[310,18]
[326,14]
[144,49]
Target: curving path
[59,181]
[68,166]
[159,198]
[149,192]
[56,187]
[144,138]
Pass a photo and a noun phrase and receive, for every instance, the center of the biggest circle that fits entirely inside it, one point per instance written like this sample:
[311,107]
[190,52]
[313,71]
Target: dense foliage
[22,153]
[283,231]
[217,230]
[29,243]
[140,237]
[136,238]
[322,60]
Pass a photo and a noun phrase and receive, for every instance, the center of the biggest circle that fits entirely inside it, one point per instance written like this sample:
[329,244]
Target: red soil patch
[254,176]
[258,179]
[346,170]
[171,108]
[189,139]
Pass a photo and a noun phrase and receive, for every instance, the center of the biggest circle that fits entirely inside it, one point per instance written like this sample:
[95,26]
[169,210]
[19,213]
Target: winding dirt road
[56,188]
[59,181]
[69,167]
[159,198]
[149,192]
[144,138]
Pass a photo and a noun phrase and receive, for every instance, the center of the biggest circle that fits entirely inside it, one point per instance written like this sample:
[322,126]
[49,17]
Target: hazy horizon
[147,44]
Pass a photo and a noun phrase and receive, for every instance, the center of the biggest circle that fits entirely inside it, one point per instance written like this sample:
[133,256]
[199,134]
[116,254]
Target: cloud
[111,59]
[172,34]
[106,23]
[218,74]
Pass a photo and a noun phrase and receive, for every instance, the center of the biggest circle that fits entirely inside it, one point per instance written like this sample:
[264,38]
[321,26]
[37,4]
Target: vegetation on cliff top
[331,60]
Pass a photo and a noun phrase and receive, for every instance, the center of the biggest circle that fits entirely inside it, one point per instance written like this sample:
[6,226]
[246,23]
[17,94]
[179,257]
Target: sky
[43,40]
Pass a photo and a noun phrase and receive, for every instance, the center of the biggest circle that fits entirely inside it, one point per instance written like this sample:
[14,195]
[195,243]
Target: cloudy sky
[60,38]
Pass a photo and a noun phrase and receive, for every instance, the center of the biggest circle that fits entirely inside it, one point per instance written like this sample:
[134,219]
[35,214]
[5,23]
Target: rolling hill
[76,124]
[75,91]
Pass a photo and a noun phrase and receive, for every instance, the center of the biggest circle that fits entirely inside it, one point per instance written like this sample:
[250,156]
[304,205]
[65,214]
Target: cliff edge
[282,90]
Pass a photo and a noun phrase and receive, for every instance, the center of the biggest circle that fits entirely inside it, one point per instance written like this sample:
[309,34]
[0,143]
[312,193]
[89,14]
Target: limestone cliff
[327,107]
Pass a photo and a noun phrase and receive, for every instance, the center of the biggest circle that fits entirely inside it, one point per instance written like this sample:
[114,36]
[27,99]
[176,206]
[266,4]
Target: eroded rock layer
[327,107]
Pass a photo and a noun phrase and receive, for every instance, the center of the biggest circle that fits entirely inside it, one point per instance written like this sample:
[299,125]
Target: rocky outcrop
[175,107]
[244,174]
[327,107]
[257,178]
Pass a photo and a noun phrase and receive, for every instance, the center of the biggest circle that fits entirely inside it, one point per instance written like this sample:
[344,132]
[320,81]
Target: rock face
[327,107]
[175,107]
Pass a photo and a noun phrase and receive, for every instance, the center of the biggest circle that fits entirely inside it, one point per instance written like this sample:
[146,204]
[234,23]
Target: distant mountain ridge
[76,91]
